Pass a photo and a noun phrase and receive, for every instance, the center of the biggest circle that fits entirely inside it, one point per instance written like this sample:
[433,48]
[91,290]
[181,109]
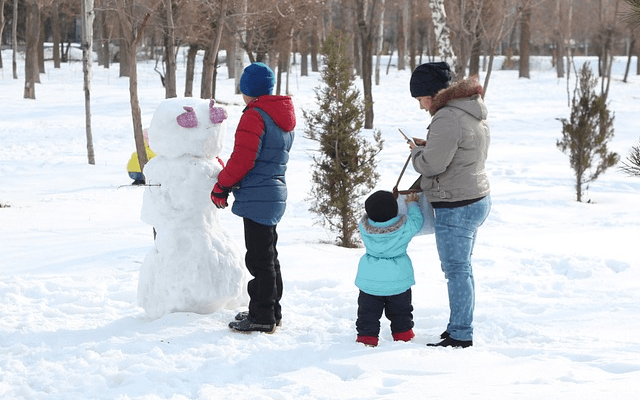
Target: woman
[451,162]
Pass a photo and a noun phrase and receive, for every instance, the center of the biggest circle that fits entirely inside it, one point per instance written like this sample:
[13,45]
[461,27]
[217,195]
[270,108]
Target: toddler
[385,272]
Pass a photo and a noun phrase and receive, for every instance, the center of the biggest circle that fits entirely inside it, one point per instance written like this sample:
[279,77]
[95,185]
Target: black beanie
[428,79]
[381,206]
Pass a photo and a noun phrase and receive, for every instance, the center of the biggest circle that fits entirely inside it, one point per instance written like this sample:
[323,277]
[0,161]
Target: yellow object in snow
[133,165]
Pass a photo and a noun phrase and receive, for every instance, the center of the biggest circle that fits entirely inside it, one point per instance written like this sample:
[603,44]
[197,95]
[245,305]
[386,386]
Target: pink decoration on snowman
[194,265]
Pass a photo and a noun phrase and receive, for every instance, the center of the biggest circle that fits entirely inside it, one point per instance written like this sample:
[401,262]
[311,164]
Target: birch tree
[87,12]
[443,33]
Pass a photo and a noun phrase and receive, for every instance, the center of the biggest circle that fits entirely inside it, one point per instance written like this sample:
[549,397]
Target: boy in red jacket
[255,173]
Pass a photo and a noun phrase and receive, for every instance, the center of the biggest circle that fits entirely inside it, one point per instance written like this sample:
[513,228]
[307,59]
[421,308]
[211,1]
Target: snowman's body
[194,265]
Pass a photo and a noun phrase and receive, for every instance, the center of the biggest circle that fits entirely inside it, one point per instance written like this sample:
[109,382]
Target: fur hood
[465,88]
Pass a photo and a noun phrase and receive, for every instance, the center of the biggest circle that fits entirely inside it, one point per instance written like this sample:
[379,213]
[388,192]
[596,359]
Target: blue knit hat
[428,79]
[257,80]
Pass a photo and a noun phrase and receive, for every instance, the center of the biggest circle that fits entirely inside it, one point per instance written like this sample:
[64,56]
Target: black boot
[451,342]
[245,314]
[246,326]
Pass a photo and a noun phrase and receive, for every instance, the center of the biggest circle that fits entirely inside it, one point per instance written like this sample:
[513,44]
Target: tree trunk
[31,51]
[476,48]
[238,60]
[443,34]
[87,45]
[40,44]
[525,39]
[105,38]
[632,44]
[129,44]
[169,52]
[401,40]
[410,5]
[123,59]
[191,64]
[367,37]
[14,39]
[206,89]
[315,45]
[2,23]
[57,37]
[379,43]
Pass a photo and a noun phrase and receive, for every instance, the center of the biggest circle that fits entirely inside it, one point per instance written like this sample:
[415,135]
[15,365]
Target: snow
[557,281]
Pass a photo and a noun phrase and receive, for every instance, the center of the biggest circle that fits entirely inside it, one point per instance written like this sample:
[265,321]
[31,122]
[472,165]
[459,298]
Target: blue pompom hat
[257,80]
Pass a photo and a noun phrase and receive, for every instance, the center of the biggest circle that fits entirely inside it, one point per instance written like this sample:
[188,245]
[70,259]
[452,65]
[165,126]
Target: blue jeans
[456,230]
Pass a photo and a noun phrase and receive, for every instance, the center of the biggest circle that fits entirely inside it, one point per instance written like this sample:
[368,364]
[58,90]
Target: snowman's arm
[247,145]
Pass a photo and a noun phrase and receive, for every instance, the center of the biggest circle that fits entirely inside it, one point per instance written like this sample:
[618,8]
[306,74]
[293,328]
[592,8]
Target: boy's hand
[420,142]
[219,196]
[411,197]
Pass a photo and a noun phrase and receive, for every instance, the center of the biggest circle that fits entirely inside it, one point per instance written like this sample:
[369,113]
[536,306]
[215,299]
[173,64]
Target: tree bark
[31,51]
[87,12]
[238,60]
[525,39]
[206,89]
[401,40]
[169,52]
[191,64]
[367,27]
[131,37]
[14,39]
[57,37]
[443,34]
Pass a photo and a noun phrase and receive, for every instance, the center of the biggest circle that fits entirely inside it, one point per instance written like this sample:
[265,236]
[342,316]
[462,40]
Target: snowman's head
[188,126]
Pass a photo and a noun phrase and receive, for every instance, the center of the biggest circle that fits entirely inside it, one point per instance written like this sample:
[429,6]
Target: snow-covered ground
[557,281]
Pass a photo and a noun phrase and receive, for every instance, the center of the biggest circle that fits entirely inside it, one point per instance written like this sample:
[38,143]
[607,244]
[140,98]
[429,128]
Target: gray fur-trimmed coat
[452,163]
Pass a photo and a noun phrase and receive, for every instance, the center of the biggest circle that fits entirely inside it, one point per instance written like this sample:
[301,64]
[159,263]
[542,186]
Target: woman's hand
[417,142]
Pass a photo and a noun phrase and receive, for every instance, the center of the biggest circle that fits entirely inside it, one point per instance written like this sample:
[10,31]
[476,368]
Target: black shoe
[245,314]
[451,342]
[246,325]
[138,182]
[444,335]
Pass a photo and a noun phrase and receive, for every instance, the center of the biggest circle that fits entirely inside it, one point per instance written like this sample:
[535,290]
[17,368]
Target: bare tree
[368,16]
[379,42]
[525,39]
[169,51]
[31,51]
[211,55]
[87,12]
[498,18]
[2,24]
[14,39]
[133,19]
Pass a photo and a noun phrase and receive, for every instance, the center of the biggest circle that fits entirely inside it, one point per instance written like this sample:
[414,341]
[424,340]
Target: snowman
[194,266]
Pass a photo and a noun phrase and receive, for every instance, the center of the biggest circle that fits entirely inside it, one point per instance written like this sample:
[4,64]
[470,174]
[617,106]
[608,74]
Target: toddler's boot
[371,341]
[403,336]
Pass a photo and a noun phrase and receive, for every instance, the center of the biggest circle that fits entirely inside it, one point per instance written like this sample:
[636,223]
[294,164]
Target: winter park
[557,280]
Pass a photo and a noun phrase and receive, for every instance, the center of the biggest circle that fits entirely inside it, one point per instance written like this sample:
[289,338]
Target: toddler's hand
[411,197]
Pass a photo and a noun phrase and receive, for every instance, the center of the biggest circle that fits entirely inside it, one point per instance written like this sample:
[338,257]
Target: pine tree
[345,168]
[586,133]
